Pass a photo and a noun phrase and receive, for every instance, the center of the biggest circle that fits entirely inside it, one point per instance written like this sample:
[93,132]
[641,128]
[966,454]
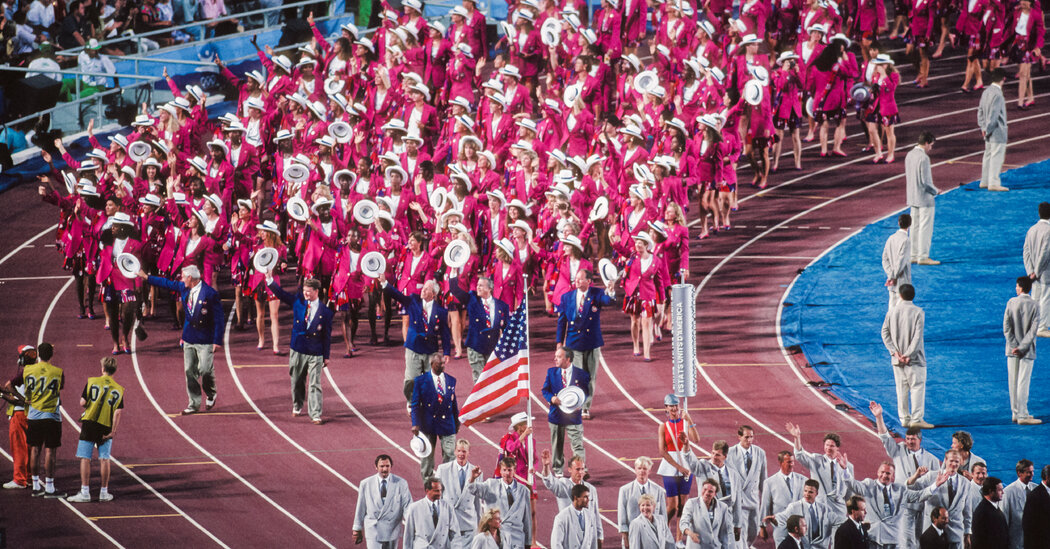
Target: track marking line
[710,364]
[27,243]
[134,465]
[239,366]
[266,418]
[133,516]
[21,278]
[76,425]
[209,455]
[179,414]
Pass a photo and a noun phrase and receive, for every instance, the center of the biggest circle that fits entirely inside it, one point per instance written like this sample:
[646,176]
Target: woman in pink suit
[475,21]
[466,276]
[348,287]
[635,19]
[437,54]
[759,139]
[1026,48]
[267,236]
[645,279]
[239,248]
[193,248]
[76,242]
[633,152]
[462,78]
[969,25]
[217,229]
[566,267]
[867,16]
[787,106]
[413,268]
[580,124]
[497,130]
[526,50]
[831,76]
[808,51]
[608,25]
[508,284]
[675,248]
[250,86]
[920,36]
[886,80]
[753,14]
[119,293]
[321,239]
[709,167]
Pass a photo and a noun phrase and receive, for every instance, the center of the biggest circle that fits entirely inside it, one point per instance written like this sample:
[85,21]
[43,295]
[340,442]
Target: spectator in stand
[90,60]
[45,62]
[41,16]
[77,27]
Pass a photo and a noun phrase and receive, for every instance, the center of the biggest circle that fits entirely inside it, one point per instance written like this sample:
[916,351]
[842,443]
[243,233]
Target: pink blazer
[647,285]
[508,287]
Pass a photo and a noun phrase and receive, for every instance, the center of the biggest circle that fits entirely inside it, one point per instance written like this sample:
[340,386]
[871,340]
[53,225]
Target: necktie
[915,459]
[643,489]
[887,504]
[462,477]
[565,377]
[580,304]
[583,527]
[488,313]
[725,485]
[510,496]
[747,461]
[951,491]
[434,512]
[382,489]
[791,489]
[834,480]
[1027,491]
[307,317]
[441,386]
[814,529]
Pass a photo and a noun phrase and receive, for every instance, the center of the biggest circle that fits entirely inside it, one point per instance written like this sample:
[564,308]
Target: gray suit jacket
[714,533]
[1012,506]
[567,534]
[885,517]
[650,535]
[420,530]
[382,517]
[902,331]
[906,462]
[960,511]
[753,479]
[561,487]
[1020,324]
[991,114]
[516,528]
[627,502]
[919,176]
[780,492]
[896,258]
[704,469]
[466,505]
[829,516]
[832,487]
[1036,251]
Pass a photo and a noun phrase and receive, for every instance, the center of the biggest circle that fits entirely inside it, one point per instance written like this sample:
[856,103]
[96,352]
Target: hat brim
[128,265]
[365,212]
[265,260]
[298,210]
[572,399]
[457,254]
[373,264]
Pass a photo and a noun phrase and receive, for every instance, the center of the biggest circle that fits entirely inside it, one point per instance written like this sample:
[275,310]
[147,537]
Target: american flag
[505,380]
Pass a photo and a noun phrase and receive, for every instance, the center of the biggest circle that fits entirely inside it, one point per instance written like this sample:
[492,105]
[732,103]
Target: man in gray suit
[921,198]
[631,493]
[511,498]
[907,457]
[749,461]
[381,505]
[1014,497]
[889,503]
[455,476]
[1020,323]
[991,117]
[1036,257]
[706,523]
[562,487]
[947,488]
[821,517]
[782,489]
[902,333]
[896,255]
[824,468]
[574,526]
[430,523]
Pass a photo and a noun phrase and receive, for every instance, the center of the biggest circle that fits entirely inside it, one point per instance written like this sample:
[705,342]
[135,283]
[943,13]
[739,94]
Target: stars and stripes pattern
[504,382]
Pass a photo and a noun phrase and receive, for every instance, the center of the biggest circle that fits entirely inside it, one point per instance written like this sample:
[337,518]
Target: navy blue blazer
[423,337]
[582,332]
[482,334]
[204,324]
[314,339]
[434,414]
[553,384]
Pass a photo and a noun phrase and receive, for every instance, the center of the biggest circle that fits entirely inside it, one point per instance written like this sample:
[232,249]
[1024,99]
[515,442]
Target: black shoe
[39,493]
[55,495]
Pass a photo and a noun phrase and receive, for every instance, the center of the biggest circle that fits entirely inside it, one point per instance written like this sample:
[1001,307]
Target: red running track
[248,474]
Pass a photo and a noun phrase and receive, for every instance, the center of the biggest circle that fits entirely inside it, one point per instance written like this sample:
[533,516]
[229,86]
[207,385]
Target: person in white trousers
[991,117]
[902,333]
[896,255]
[921,198]
[1036,257]
[1019,327]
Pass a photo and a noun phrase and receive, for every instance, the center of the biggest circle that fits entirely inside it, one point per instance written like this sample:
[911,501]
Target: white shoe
[1029,421]
[14,486]
[79,498]
[998,188]
[921,424]
[1043,333]
[297,411]
[105,497]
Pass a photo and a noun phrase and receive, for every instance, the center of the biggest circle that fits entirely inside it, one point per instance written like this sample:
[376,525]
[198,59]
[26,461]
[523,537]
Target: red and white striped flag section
[505,380]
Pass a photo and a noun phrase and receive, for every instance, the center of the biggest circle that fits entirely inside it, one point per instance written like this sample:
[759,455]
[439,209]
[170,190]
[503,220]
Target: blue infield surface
[835,309]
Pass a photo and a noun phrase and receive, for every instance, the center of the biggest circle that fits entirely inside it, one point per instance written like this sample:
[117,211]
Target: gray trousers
[992,163]
[558,444]
[415,365]
[448,448]
[477,363]
[198,360]
[1041,293]
[588,361]
[921,232]
[305,369]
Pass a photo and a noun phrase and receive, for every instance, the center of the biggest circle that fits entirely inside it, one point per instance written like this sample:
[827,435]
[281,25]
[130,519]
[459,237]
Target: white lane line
[266,418]
[543,406]
[213,457]
[784,257]
[76,425]
[362,417]
[19,278]
[780,305]
[27,243]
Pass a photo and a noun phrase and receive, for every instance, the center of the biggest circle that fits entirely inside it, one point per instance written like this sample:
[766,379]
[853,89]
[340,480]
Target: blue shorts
[678,486]
[85,448]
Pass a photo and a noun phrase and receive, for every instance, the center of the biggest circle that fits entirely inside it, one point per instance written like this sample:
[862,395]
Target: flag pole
[528,377]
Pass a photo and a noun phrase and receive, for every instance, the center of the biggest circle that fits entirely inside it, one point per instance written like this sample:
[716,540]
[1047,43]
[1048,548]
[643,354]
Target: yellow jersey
[104,396]
[43,381]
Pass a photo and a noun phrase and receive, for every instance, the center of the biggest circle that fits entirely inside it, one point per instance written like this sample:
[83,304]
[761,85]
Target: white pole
[528,377]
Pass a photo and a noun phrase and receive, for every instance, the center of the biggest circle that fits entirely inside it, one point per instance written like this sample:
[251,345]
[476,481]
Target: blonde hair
[646,497]
[486,518]
[644,461]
